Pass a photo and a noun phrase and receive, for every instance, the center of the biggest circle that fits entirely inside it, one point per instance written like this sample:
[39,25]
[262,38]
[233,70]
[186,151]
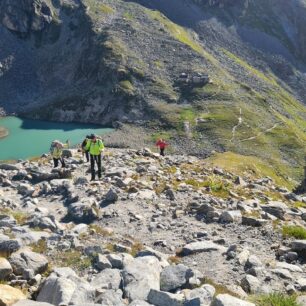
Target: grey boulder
[161,298]
[140,276]
[174,277]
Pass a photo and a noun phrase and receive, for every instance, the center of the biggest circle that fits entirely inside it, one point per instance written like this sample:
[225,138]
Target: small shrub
[136,247]
[295,231]
[174,260]
[276,299]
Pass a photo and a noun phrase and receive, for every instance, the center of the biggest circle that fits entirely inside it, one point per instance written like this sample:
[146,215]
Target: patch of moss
[40,246]
[73,259]
[127,86]
[20,217]
[128,16]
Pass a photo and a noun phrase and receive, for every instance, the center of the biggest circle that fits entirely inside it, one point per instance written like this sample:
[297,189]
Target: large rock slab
[28,260]
[201,246]
[57,290]
[140,276]
[228,300]
[63,287]
[174,277]
[10,295]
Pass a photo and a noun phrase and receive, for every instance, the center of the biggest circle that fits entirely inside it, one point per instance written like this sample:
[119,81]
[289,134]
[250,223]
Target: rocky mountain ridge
[154,231]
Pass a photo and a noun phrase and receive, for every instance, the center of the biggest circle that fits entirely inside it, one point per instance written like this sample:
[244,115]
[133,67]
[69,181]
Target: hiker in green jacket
[95,147]
[56,150]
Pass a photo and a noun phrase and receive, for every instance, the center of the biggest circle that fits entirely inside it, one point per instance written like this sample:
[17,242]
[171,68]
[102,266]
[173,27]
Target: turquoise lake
[30,138]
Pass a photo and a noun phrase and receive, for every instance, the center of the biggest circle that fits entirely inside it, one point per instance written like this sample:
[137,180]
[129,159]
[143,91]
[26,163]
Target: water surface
[28,138]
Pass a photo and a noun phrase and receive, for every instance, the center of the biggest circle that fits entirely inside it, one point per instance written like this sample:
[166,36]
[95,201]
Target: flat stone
[10,295]
[31,303]
[283,273]
[161,298]
[298,245]
[228,300]
[291,268]
[202,246]
[275,208]
[230,216]
[251,221]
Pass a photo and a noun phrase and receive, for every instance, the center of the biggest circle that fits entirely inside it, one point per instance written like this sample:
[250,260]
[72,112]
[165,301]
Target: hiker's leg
[92,167]
[99,162]
[87,156]
[55,162]
[162,151]
[63,162]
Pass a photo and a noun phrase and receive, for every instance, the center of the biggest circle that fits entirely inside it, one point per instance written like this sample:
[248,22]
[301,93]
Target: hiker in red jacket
[162,145]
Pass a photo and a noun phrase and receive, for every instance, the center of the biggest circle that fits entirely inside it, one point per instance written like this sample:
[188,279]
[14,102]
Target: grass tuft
[276,299]
[295,231]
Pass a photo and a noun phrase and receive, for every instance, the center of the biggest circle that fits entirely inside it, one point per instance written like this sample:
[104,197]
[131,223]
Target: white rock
[202,246]
[228,300]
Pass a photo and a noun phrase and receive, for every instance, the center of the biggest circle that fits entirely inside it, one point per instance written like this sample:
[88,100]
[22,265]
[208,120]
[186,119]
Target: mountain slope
[103,61]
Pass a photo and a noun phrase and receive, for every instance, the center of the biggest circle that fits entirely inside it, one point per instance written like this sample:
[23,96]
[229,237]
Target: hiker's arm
[101,146]
[87,147]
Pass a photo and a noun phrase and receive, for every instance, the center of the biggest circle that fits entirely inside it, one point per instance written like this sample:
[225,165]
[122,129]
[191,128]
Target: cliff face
[145,61]
[24,16]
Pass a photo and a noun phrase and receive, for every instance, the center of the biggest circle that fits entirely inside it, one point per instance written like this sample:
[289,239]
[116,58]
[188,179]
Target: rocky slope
[154,231]
[145,62]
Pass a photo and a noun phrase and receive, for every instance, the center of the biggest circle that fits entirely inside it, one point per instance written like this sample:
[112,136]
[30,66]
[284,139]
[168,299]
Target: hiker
[95,147]
[162,145]
[56,151]
[84,151]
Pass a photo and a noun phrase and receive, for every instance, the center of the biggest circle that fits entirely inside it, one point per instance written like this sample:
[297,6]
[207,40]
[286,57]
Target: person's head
[93,137]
